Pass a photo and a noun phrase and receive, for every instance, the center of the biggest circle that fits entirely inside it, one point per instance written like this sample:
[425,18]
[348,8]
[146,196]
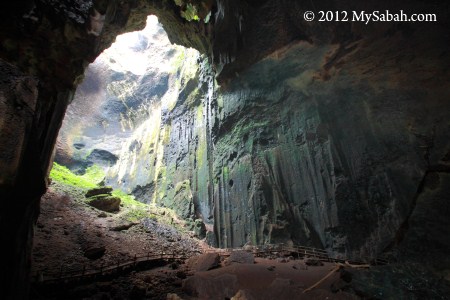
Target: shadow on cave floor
[69,230]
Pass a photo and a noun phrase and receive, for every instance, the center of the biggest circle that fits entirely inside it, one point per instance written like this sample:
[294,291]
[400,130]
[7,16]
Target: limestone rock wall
[317,147]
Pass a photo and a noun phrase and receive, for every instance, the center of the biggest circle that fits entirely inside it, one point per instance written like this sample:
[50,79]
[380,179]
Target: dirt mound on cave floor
[71,234]
[68,228]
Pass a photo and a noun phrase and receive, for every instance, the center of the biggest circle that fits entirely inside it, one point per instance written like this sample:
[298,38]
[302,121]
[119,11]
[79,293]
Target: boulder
[313,262]
[99,191]
[242,257]
[204,262]
[95,252]
[124,226]
[105,202]
[199,228]
[300,266]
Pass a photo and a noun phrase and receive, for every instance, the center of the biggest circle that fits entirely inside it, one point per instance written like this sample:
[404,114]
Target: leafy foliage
[190,13]
[195,10]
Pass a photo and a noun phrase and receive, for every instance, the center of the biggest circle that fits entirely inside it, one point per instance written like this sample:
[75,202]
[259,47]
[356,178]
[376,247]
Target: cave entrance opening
[114,130]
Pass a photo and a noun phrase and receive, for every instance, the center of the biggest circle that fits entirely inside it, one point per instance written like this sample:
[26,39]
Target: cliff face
[128,85]
[328,134]
[313,150]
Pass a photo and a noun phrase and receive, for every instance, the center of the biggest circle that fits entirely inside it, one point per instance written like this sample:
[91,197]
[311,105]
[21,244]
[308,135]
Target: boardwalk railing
[83,273]
[65,275]
[297,252]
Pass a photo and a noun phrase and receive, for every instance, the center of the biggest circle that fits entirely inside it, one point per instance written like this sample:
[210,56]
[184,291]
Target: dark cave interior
[329,134]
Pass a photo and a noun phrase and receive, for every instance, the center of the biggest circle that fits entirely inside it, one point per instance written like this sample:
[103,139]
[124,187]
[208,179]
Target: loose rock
[242,257]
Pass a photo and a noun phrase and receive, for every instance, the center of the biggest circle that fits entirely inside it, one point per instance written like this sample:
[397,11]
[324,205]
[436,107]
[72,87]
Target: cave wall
[314,150]
[53,42]
[325,141]
[321,135]
[326,133]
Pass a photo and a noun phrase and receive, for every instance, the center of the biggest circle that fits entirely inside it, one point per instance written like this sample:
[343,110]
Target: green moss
[225,172]
[232,140]
[133,210]
[177,62]
[182,185]
[127,200]
[94,173]
[220,102]
[199,113]
[193,97]
[166,138]
[167,216]
[178,2]
[134,215]
[201,152]
[90,179]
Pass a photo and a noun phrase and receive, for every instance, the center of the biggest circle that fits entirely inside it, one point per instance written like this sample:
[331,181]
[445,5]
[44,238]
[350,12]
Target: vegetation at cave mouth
[77,185]
[131,209]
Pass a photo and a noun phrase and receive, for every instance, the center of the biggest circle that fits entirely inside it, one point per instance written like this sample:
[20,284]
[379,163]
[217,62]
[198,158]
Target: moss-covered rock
[199,228]
[105,202]
[99,191]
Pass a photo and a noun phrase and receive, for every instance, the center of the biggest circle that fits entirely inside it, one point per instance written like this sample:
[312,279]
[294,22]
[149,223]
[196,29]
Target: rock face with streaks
[121,97]
[317,151]
[329,134]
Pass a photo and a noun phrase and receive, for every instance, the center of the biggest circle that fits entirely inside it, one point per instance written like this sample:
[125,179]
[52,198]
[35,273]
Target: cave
[298,123]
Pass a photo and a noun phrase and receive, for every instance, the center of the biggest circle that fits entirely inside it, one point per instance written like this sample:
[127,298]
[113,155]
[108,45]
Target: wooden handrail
[84,272]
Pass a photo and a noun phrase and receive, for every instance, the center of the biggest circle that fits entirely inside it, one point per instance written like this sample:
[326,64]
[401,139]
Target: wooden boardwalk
[89,273]
[152,260]
[297,252]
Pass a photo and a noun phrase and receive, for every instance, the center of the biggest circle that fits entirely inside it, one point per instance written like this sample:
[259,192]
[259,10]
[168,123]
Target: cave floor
[70,235]
[266,279]
[68,229]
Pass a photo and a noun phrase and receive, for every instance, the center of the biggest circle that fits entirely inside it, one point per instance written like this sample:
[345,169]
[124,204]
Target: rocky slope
[69,230]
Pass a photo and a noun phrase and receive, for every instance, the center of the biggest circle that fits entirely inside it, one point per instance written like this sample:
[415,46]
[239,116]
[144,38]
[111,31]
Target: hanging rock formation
[332,134]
